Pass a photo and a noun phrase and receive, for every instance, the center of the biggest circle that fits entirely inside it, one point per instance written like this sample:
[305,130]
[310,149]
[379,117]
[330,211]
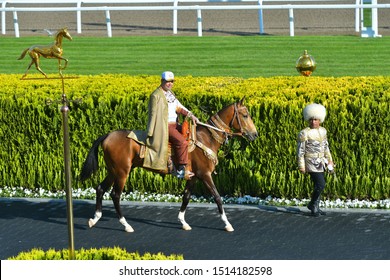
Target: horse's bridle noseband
[219,125]
[241,133]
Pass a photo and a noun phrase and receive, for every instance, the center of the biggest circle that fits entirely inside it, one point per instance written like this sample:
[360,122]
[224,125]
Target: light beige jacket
[156,154]
[313,153]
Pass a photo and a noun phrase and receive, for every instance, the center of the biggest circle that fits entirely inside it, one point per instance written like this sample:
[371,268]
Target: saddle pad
[138,135]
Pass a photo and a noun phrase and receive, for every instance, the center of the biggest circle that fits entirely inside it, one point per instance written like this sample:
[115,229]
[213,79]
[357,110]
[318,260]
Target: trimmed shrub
[104,253]
[31,146]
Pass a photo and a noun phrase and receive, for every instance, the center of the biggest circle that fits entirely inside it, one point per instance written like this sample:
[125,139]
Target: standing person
[313,153]
[164,109]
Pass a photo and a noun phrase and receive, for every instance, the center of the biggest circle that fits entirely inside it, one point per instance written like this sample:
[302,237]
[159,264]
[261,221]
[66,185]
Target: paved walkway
[260,233]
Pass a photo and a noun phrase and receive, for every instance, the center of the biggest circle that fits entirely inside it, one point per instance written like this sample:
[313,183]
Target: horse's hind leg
[116,196]
[35,59]
[28,68]
[40,70]
[100,191]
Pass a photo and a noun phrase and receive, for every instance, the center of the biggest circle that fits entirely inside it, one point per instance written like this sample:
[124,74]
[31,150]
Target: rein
[210,126]
[217,124]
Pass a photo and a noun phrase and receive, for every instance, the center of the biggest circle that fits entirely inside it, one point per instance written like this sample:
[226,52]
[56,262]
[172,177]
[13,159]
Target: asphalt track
[261,233]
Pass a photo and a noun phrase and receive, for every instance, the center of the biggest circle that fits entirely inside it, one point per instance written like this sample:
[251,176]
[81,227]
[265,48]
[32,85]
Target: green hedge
[104,253]
[31,142]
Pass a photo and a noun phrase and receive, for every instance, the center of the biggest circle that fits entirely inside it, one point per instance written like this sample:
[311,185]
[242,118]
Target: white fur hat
[314,111]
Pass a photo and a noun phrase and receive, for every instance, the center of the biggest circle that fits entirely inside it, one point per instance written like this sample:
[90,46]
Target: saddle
[188,130]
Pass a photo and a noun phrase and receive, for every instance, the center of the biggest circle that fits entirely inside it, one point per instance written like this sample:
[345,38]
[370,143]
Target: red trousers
[179,144]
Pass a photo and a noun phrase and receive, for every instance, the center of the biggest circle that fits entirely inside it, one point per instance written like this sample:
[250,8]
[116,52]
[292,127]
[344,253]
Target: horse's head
[242,121]
[231,119]
[64,33]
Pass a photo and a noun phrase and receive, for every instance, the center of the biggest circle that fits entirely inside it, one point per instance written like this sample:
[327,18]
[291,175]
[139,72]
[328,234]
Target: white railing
[80,3]
[175,8]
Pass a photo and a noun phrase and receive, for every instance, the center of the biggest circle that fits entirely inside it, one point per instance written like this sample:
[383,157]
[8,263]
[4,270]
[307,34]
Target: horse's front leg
[208,181]
[228,226]
[184,204]
[59,63]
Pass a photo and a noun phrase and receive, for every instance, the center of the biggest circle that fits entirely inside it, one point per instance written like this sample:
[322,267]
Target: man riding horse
[122,154]
[163,127]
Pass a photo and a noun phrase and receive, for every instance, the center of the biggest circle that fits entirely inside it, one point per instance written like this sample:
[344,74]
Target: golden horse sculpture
[53,50]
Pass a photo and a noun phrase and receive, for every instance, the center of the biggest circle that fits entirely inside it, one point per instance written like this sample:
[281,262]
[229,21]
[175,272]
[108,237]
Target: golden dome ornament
[305,64]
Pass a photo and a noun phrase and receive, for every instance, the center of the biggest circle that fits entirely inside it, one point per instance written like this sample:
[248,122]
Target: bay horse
[122,154]
[53,50]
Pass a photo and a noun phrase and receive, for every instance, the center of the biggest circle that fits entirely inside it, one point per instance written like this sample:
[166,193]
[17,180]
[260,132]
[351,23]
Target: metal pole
[68,181]
[67,159]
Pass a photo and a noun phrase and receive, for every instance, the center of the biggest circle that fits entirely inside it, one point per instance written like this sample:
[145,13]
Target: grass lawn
[236,56]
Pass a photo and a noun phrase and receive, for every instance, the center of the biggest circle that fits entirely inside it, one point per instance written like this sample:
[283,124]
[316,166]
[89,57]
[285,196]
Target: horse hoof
[91,223]
[186,227]
[129,229]
[229,228]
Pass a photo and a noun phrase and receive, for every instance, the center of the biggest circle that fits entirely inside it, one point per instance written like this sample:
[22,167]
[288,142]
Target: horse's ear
[242,101]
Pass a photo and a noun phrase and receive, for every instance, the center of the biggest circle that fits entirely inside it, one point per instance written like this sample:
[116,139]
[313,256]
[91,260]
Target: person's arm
[301,147]
[328,155]
[185,112]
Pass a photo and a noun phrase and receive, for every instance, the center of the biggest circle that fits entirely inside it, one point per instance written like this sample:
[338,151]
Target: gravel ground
[215,22]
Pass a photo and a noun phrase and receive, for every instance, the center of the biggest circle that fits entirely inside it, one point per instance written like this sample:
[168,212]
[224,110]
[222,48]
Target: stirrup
[183,174]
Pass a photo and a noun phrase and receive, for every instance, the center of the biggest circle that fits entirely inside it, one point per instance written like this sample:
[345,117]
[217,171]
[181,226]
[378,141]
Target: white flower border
[15,192]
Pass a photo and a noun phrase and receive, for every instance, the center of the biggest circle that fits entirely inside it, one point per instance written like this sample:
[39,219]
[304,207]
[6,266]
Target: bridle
[217,124]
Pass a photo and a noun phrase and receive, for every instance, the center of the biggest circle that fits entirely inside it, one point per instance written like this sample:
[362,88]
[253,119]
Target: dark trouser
[318,179]
[179,144]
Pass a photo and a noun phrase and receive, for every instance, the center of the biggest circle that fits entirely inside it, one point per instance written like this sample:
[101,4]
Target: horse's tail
[23,54]
[91,163]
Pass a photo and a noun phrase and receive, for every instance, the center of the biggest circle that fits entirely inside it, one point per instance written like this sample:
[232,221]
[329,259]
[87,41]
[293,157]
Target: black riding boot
[314,204]
[319,210]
